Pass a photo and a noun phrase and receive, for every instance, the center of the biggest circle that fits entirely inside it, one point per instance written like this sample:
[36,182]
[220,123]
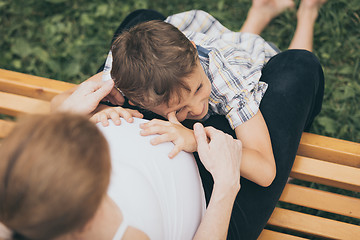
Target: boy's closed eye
[198,88]
[179,110]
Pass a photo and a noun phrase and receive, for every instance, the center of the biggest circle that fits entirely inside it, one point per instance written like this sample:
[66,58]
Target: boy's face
[193,104]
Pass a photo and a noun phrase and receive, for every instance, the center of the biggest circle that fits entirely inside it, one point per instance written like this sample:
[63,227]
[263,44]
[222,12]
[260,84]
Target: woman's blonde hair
[54,172]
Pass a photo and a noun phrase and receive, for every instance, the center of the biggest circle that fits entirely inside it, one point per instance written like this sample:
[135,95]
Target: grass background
[69,40]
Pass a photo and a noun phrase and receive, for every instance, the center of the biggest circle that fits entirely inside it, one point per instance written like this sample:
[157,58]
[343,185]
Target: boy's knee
[298,58]
[294,69]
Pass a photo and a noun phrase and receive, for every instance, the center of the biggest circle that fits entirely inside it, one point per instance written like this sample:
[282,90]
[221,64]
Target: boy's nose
[196,109]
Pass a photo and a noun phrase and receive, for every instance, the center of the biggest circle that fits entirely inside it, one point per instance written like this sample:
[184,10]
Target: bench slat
[5,127]
[271,235]
[15,105]
[31,86]
[321,200]
[330,149]
[313,225]
[327,173]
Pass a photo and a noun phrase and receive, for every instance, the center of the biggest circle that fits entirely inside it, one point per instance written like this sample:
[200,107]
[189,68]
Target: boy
[179,79]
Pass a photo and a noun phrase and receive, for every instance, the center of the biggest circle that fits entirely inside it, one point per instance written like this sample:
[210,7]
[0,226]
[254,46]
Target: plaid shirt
[231,60]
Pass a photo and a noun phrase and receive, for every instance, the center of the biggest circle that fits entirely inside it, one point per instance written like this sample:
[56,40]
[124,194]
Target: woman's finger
[102,90]
[211,132]
[201,139]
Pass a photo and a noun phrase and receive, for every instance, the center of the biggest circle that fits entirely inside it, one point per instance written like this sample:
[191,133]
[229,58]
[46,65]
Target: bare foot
[271,8]
[310,9]
[307,13]
[262,12]
[313,3]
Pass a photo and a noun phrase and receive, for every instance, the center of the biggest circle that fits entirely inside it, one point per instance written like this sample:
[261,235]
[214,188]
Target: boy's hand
[114,113]
[170,131]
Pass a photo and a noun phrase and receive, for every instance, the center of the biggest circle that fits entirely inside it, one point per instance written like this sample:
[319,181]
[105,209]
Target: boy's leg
[293,99]
[262,12]
[306,17]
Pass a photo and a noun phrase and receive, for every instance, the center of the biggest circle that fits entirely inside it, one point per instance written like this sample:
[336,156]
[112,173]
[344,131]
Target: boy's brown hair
[151,61]
[54,173]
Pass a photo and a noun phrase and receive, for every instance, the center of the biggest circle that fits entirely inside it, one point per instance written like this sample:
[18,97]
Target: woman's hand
[86,97]
[220,154]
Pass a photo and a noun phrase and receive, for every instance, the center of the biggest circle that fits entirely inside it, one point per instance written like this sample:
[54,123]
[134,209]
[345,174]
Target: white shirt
[162,197]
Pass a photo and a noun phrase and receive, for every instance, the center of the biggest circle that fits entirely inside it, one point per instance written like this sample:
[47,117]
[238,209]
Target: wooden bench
[320,161]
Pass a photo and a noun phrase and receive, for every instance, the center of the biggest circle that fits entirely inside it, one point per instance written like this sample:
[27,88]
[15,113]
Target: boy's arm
[258,163]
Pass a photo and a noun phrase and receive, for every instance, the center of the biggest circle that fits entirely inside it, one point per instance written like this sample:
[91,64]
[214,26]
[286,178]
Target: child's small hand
[114,113]
[170,131]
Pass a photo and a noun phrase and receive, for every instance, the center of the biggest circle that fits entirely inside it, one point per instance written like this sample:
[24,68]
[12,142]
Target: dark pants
[293,99]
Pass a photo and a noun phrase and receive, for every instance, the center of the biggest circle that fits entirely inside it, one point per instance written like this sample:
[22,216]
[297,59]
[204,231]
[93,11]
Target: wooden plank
[313,225]
[321,200]
[271,235]
[330,149]
[31,86]
[5,127]
[15,105]
[327,173]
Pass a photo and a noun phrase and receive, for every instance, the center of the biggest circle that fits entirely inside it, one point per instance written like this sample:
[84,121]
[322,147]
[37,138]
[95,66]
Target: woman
[56,170]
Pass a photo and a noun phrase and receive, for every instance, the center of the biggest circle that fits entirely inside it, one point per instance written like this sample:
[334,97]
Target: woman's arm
[221,156]
[258,164]
[91,92]
[57,101]
[215,222]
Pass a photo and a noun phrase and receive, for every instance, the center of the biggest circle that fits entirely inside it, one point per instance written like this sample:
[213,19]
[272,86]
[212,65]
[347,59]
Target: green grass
[68,40]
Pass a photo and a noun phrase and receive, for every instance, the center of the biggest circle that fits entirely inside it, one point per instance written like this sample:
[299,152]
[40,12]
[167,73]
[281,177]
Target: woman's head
[54,172]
